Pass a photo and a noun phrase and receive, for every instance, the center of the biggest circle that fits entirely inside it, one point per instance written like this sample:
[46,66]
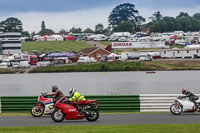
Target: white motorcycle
[43,106]
[184,105]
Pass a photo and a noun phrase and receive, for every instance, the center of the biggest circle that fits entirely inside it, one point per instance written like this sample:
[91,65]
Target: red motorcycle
[44,105]
[69,111]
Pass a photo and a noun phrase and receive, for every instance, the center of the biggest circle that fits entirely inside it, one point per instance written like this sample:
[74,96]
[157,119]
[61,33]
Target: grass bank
[9,70]
[106,43]
[10,114]
[157,65]
[54,46]
[96,67]
[174,64]
[164,128]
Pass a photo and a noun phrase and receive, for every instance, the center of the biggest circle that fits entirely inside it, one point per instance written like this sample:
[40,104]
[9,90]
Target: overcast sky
[65,14]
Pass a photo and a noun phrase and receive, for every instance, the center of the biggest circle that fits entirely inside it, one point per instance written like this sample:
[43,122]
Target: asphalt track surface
[104,119]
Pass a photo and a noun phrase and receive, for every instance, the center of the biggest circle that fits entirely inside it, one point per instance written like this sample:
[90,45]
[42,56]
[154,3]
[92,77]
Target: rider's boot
[197,108]
[80,110]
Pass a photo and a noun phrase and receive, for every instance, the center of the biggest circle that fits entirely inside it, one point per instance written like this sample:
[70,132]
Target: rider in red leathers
[56,92]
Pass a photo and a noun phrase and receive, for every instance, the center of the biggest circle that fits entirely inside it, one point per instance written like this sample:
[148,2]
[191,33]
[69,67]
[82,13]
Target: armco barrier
[157,102]
[107,103]
[0,104]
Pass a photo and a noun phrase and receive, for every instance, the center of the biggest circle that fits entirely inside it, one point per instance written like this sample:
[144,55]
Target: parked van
[24,64]
[83,60]
[7,61]
[3,65]
[86,59]
[145,57]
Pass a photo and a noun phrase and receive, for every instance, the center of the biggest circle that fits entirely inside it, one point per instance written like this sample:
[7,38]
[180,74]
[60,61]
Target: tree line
[183,22]
[123,18]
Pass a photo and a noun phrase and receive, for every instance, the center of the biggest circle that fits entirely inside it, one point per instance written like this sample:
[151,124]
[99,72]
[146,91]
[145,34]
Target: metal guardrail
[0,104]
[107,103]
[157,102]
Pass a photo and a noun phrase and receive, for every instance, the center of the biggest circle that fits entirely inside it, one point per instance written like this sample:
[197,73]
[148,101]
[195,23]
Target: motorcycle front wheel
[176,109]
[57,115]
[92,115]
[37,111]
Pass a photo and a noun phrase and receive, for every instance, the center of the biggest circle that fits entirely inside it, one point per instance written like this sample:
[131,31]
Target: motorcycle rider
[75,96]
[191,96]
[56,92]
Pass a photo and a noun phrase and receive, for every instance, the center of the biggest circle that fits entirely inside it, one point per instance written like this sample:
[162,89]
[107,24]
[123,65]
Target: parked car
[15,64]
[64,60]
[122,39]
[43,64]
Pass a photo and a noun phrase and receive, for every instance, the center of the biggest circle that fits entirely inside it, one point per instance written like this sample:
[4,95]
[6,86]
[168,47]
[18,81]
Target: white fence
[157,102]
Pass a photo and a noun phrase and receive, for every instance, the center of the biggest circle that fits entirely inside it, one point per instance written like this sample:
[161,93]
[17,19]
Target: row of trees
[182,22]
[123,18]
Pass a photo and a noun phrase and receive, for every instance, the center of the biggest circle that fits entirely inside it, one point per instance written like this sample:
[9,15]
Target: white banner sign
[116,45]
[122,45]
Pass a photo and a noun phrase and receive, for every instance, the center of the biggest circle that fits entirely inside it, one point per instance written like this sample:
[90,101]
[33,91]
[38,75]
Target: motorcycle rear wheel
[37,113]
[176,110]
[57,116]
[93,115]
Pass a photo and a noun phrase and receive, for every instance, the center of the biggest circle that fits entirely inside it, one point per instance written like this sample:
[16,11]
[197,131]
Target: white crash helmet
[71,92]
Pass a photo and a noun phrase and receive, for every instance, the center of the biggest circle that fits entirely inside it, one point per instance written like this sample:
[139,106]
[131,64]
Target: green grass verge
[157,65]
[54,46]
[9,71]
[96,67]
[125,66]
[14,114]
[106,43]
[175,65]
[177,46]
[164,128]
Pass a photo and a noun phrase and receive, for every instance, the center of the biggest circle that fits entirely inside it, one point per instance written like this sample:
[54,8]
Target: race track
[105,119]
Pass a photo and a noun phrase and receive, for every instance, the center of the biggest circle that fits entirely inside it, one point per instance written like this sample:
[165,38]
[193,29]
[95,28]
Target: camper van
[145,57]
[86,59]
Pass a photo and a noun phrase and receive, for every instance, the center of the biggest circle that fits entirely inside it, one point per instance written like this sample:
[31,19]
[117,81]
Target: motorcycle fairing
[187,104]
[90,101]
[70,111]
[48,107]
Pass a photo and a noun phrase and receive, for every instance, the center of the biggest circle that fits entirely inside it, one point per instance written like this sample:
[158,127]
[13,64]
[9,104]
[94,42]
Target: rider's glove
[66,100]
[45,95]
[179,97]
